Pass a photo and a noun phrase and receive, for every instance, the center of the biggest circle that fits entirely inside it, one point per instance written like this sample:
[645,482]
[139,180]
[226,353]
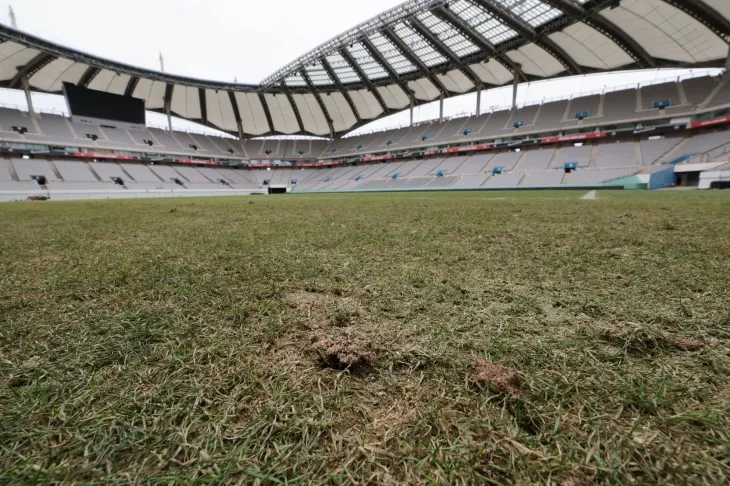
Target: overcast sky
[210,39]
[245,39]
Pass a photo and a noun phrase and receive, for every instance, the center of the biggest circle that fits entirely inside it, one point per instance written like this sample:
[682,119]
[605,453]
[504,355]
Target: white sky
[246,39]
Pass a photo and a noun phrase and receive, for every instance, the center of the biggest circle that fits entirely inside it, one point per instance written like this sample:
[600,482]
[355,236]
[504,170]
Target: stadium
[299,291]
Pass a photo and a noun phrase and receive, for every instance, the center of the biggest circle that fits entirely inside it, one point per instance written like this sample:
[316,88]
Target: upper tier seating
[619,105]
[660,92]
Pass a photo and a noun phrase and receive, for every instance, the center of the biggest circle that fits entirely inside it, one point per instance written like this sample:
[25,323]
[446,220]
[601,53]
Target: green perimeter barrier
[629,183]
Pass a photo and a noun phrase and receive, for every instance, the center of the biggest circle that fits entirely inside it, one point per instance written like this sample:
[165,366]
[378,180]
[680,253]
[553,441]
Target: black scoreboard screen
[83,102]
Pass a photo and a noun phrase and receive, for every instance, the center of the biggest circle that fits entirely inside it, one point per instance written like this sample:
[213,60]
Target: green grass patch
[334,339]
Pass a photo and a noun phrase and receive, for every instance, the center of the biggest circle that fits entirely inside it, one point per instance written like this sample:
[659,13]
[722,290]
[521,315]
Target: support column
[411,112]
[480,88]
[441,109]
[168,112]
[240,129]
[514,92]
[28,97]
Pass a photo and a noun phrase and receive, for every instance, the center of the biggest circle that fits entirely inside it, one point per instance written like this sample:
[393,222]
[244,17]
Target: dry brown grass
[334,340]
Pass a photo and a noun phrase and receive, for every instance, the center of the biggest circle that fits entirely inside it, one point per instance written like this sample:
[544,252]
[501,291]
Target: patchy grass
[374,338]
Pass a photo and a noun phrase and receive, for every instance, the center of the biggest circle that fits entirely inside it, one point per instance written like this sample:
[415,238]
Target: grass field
[380,338]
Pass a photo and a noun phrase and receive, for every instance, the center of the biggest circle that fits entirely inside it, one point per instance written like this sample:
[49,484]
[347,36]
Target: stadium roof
[417,52]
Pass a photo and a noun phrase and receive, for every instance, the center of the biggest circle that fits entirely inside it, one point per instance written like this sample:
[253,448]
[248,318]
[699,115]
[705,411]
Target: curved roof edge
[418,52]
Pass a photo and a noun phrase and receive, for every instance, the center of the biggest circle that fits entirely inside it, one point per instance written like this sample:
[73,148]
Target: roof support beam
[169,88]
[262,99]
[388,68]
[131,85]
[88,76]
[477,39]
[318,97]
[236,113]
[203,106]
[591,17]
[294,107]
[28,97]
[380,59]
[30,68]
[704,14]
[331,72]
[526,30]
[411,56]
[356,67]
[444,50]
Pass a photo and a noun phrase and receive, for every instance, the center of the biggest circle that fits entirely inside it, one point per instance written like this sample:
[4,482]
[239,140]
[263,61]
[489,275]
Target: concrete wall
[662,179]
[707,178]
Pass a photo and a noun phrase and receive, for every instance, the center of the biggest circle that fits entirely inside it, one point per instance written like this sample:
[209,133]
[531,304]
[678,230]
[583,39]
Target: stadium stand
[192,175]
[654,150]
[505,160]
[581,155]
[107,170]
[468,181]
[551,114]
[622,154]
[165,173]
[619,105]
[140,173]
[26,169]
[509,179]
[659,92]
[5,175]
[697,145]
[54,128]
[589,177]
[697,90]
[536,159]
[544,178]
[687,96]
[474,165]
[118,137]
[13,118]
[75,171]
[721,96]
[586,104]
[168,142]
[599,161]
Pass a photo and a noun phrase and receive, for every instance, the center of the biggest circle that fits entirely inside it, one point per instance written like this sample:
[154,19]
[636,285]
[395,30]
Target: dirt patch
[686,344]
[332,324]
[635,338]
[305,300]
[498,378]
[343,350]
[322,310]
